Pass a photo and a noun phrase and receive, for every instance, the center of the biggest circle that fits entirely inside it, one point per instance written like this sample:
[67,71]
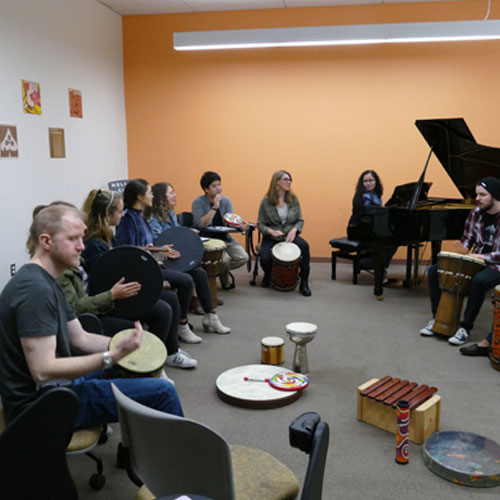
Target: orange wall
[325,114]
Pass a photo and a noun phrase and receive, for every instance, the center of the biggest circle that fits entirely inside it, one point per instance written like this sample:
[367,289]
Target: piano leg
[436,248]
[379,273]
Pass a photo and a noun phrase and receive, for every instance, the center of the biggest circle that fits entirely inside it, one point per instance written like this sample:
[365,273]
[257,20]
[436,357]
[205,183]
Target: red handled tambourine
[284,381]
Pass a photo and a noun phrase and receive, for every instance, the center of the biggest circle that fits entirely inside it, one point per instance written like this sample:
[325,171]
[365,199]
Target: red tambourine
[287,381]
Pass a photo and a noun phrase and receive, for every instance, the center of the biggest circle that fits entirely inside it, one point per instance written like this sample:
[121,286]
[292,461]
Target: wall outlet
[12,269]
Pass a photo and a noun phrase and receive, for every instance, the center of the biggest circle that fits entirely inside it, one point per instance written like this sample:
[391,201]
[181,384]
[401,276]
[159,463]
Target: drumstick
[251,379]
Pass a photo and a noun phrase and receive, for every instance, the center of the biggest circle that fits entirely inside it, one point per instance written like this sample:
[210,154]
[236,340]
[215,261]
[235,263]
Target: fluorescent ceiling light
[450,31]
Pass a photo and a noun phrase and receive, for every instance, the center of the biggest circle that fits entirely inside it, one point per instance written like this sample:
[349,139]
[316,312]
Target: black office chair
[33,449]
[185,219]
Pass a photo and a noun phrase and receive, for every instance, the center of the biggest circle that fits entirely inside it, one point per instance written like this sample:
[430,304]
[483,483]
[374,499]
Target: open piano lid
[463,158]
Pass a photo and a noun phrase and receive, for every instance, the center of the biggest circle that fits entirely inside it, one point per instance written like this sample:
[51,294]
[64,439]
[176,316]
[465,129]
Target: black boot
[266,280]
[304,285]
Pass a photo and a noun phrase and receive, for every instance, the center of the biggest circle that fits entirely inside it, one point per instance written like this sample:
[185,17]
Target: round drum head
[286,252]
[148,358]
[233,219]
[300,327]
[272,341]
[133,264]
[187,242]
[213,244]
[463,458]
[459,256]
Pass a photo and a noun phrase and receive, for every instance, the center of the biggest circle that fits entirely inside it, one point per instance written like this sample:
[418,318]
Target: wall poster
[32,99]
[8,141]
[56,141]
[75,103]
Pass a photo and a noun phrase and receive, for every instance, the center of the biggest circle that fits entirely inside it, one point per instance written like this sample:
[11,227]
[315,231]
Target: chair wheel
[97,481]
[252,282]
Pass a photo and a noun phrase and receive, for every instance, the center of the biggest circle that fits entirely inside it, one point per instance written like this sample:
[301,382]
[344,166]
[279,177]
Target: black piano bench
[347,249]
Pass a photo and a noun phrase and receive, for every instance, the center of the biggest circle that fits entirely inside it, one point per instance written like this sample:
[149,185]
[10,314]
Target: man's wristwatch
[107,362]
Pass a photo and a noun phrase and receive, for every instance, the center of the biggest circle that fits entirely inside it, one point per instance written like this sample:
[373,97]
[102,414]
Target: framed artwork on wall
[9,147]
[56,141]
[32,98]
[75,103]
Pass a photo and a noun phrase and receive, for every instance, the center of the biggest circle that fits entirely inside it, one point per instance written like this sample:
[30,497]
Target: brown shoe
[195,307]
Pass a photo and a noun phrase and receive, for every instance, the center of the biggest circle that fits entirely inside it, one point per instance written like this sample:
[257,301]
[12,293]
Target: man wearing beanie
[482,235]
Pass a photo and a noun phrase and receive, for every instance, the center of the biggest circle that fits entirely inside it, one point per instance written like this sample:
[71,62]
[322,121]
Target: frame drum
[187,242]
[286,258]
[133,264]
[146,361]
[272,350]
[455,274]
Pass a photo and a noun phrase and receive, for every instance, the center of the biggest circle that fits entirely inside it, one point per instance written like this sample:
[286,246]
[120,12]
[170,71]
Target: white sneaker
[181,359]
[460,337]
[164,376]
[212,321]
[186,335]
[427,330]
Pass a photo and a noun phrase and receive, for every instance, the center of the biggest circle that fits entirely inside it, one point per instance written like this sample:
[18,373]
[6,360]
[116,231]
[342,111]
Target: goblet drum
[301,334]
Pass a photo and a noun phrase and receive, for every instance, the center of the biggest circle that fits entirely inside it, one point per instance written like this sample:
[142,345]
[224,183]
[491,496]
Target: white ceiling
[141,7]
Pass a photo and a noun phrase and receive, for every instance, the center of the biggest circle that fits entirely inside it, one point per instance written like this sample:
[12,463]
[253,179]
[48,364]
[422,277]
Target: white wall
[61,44]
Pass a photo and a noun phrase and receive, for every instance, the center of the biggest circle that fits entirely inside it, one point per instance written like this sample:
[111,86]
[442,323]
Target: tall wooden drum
[212,262]
[286,258]
[455,274]
[495,341]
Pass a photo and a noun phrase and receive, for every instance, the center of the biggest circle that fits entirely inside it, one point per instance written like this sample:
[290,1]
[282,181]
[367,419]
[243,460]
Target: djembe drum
[286,258]
[212,262]
[146,361]
[301,334]
[495,340]
[455,274]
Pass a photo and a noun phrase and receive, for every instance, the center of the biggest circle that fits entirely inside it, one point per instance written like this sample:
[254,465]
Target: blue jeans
[98,405]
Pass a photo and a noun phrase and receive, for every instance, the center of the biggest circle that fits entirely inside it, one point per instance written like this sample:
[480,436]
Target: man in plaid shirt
[482,235]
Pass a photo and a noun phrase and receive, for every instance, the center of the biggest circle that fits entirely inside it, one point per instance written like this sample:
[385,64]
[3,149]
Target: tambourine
[288,381]
[233,220]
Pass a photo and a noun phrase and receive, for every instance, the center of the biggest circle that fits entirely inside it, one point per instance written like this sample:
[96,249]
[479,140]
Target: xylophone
[377,400]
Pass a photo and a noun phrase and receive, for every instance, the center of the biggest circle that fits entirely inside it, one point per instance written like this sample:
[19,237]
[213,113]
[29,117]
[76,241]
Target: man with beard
[482,235]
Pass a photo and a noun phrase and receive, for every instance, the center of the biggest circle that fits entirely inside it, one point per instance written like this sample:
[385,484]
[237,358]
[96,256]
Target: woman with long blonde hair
[280,219]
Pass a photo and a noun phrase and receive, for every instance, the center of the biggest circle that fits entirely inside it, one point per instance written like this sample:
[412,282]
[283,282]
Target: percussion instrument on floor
[133,264]
[377,400]
[463,458]
[455,274]
[272,350]
[301,334]
[187,243]
[232,387]
[212,262]
[146,361]
[495,340]
[286,258]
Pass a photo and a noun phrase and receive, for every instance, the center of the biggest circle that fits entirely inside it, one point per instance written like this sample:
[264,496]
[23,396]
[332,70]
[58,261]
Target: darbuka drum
[272,350]
[301,333]
[146,361]
[455,274]
[495,341]
[133,264]
[286,258]
[211,262]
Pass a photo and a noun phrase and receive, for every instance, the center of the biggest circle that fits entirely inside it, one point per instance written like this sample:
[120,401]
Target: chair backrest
[311,436]
[33,449]
[117,185]
[91,323]
[185,219]
[175,455]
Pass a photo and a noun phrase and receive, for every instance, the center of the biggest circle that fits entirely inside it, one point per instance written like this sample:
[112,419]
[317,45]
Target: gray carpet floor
[358,338]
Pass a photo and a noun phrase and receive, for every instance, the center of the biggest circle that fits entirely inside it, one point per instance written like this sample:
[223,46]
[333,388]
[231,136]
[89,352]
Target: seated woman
[105,211]
[161,216]
[368,193]
[135,230]
[280,219]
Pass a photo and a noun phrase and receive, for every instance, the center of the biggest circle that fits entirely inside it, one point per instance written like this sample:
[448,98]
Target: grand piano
[410,217]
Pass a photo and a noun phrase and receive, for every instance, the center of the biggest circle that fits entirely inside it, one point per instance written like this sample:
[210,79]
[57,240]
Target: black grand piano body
[410,217]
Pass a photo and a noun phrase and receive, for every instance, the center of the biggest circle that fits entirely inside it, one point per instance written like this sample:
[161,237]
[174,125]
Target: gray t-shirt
[32,304]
